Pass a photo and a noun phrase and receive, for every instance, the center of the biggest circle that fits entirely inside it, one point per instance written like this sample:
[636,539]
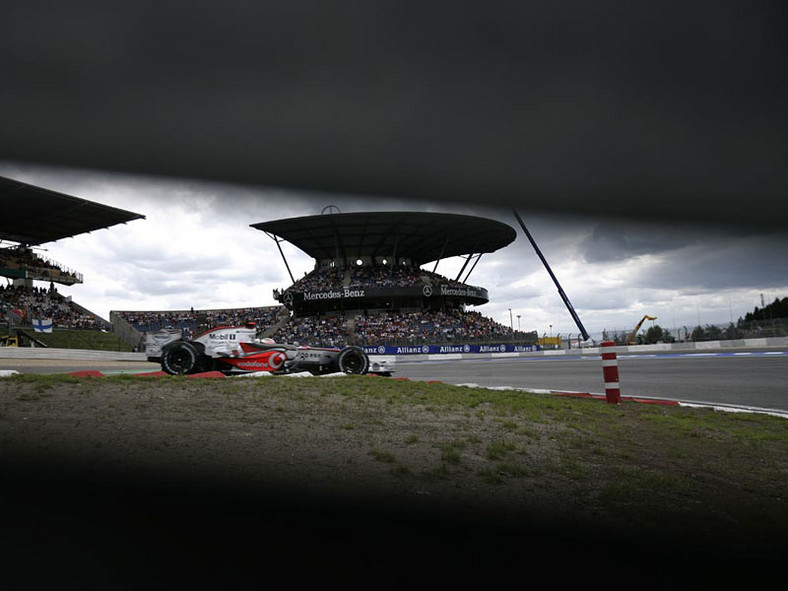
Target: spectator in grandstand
[314,331]
[385,276]
[39,302]
[186,320]
[421,327]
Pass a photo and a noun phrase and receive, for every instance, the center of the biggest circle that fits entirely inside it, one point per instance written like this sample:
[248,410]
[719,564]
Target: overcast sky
[675,110]
[195,248]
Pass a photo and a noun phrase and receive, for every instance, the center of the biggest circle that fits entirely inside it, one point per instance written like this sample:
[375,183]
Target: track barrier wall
[433,352]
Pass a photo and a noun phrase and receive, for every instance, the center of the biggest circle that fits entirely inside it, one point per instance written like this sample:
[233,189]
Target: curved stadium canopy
[419,236]
[33,215]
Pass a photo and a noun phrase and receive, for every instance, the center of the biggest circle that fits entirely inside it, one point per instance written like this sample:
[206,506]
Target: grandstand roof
[419,236]
[33,215]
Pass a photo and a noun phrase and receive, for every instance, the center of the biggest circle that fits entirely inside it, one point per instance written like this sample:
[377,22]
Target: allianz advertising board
[444,349]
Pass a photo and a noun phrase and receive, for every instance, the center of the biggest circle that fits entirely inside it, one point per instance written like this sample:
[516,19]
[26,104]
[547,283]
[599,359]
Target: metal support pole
[394,258]
[555,280]
[276,239]
[467,260]
[435,268]
[472,268]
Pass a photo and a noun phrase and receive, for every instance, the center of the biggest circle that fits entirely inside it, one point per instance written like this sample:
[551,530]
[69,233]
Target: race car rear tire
[353,360]
[181,358]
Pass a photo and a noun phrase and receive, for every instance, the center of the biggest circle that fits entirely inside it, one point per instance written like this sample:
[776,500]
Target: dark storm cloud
[567,106]
[618,240]
[733,262]
[621,239]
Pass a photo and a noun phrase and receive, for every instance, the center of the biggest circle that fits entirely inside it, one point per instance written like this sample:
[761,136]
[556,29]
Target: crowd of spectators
[337,330]
[315,331]
[384,276]
[329,331]
[436,279]
[37,267]
[367,276]
[426,326]
[191,321]
[321,279]
[43,303]
[391,328]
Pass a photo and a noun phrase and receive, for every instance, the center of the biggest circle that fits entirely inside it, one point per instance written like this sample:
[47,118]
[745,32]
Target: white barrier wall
[775,342]
[81,354]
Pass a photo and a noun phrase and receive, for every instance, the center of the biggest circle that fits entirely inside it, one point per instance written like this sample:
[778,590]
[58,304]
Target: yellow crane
[631,337]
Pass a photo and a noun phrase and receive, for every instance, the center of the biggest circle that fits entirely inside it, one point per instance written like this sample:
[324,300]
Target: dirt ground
[184,467]
[240,431]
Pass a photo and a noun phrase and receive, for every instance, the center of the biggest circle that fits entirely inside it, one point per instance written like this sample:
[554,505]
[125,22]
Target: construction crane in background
[633,334]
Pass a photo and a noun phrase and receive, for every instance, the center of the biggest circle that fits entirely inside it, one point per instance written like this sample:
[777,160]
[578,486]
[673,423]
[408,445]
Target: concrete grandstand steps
[83,310]
[350,325]
[280,323]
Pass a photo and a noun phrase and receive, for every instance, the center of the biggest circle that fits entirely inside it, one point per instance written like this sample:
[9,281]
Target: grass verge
[695,470]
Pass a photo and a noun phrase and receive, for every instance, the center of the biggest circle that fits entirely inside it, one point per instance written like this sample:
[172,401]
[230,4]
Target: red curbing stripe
[575,394]
[89,373]
[207,374]
[150,374]
[647,401]
[601,397]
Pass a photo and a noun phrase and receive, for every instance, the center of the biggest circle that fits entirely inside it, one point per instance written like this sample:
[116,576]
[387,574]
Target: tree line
[769,321]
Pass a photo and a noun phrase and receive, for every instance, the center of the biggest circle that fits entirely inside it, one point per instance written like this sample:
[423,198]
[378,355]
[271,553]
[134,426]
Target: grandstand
[373,261]
[133,325]
[368,286]
[35,216]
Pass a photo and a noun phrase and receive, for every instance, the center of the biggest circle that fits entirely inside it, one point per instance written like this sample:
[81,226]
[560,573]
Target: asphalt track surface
[739,378]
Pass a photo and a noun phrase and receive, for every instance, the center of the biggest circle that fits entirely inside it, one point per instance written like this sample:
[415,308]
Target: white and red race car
[235,350]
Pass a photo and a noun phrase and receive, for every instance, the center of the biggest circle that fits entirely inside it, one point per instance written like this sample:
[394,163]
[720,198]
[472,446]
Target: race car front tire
[353,360]
[181,358]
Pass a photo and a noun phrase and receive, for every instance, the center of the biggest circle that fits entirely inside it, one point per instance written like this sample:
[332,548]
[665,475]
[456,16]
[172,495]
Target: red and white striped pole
[610,371]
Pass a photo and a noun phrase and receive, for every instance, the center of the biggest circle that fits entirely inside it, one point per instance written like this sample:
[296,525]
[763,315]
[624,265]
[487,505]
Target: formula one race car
[235,350]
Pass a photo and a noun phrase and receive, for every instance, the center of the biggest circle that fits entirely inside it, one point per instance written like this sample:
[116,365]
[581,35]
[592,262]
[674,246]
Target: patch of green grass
[491,476]
[573,468]
[383,456]
[512,469]
[440,472]
[400,471]
[503,471]
[451,452]
[451,456]
[497,450]
[634,460]
[96,340]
